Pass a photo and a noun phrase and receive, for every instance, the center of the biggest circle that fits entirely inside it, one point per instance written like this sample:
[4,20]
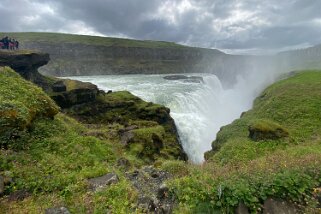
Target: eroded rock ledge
[155,135]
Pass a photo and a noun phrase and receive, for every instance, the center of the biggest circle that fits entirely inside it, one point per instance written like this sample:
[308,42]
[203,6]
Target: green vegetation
[154,137]
[50,156]
[89,40]
[241,170]
[19,106]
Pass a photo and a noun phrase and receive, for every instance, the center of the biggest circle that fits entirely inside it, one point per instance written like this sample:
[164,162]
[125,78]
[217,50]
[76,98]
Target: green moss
[266,130]
[292,103]
[156,136]
[240,170]
[21,103]
[147,143]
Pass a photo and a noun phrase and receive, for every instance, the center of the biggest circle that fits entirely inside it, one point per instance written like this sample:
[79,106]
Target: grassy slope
[60,154]
[90,40]
[52,157]
[245,171]
[18,106]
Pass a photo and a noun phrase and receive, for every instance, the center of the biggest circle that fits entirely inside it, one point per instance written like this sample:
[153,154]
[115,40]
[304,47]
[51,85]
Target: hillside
[307,58]
[73,55]
[51,159]
[97,152]
[90,55]
[272,151]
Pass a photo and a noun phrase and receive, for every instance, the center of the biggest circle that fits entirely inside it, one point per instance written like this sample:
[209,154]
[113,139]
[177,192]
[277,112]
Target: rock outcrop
[74,55]
[65,92]
[153,194]
[149,131]
[266,130]
[26,63]
[154,136]
[99,183]
[192,79]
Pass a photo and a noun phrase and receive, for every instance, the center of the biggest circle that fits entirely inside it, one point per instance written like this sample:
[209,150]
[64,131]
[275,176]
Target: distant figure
[17,45]
[6,42]
[9,44]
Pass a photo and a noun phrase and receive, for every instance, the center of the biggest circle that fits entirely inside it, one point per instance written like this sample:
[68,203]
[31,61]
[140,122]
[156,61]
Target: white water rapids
[199,109]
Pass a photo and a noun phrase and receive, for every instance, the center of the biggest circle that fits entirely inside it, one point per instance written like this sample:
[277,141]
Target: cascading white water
[199,109]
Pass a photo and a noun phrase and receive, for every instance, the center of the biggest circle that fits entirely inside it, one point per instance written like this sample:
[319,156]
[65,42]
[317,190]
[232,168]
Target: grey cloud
[233,24]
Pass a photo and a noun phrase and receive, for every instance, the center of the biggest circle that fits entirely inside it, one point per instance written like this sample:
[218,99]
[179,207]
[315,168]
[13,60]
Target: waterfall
[199,109]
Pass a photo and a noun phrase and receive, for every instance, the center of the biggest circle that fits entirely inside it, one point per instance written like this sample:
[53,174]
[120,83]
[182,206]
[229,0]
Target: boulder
[126,137]
[123,163]
[267,130]
[153,194]
[188,79]
[75,97]
[96,184]
[162,191]
[242,209]
[278,206]
[175,77]
[59,86]
[18,195]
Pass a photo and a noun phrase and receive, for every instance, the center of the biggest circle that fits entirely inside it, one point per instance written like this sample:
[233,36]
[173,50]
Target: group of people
[9,43]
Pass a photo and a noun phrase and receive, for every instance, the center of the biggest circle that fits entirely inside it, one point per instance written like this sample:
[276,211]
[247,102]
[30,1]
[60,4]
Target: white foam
[199,110]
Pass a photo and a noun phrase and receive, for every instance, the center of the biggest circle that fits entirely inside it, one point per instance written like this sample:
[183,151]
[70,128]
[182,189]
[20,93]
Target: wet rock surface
[153,194]
[190,79]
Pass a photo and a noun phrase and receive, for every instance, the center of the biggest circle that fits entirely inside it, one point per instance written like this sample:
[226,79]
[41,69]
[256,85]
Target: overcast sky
[234,26]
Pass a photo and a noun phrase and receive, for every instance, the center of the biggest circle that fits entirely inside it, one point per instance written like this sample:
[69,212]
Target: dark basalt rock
[123,163]
[74,97]
[18,195]
[153,194]
[126,137]
[59,86]
[242,209]
[188,79]
[278,206]
[96,184]
[267,130]
[26,63]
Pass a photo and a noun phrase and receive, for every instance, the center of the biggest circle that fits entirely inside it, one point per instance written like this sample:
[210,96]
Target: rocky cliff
[86,103]
[26,63]
[89,55]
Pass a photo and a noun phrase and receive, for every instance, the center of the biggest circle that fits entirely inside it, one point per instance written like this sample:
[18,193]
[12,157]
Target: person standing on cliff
[17,44]
[6,42]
